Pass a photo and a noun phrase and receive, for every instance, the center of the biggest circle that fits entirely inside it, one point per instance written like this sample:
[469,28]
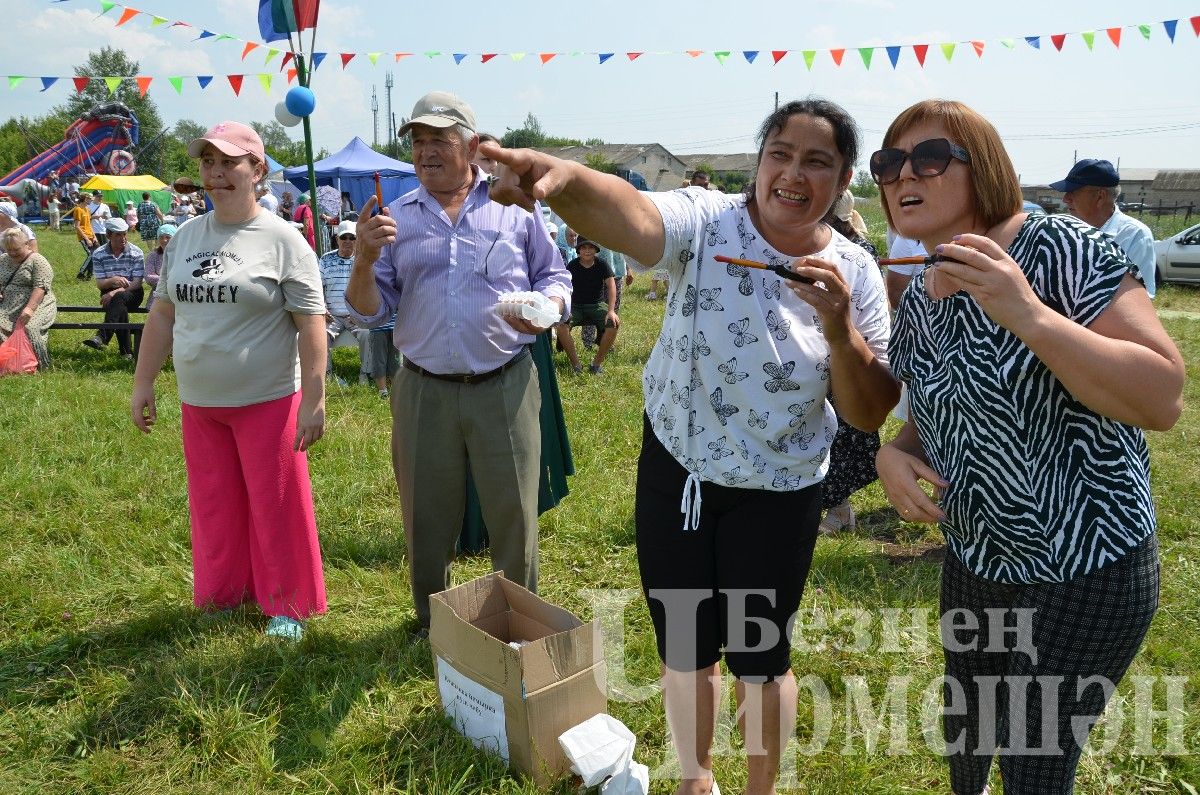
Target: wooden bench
[99,325]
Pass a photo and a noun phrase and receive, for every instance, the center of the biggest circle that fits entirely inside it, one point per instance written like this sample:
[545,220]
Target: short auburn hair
[995,189]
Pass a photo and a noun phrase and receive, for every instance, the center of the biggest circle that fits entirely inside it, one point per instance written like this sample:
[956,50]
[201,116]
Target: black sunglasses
[929,159]
[346,237]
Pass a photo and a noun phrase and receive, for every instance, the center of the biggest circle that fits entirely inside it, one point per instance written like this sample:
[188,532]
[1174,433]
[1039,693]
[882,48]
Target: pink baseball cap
[230,138]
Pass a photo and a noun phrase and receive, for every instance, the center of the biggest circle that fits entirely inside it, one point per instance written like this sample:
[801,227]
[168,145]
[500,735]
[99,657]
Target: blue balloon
[300,101]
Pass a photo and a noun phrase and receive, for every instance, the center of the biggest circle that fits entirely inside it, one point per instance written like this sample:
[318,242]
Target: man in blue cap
[1090,193]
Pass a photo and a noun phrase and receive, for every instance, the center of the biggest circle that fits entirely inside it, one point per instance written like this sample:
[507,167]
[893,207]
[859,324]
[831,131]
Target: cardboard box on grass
[515,701]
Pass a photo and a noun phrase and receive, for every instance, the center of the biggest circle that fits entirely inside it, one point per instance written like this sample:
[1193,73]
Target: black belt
[468,378]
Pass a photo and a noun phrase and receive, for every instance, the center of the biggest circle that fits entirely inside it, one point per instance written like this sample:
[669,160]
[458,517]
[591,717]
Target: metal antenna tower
[374,117]
[388,82]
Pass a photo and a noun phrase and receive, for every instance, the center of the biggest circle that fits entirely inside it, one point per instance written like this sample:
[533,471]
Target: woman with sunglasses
[1033,360]
[737,424]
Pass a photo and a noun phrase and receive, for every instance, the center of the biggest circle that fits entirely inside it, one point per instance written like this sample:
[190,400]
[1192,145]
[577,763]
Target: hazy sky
[1139,104]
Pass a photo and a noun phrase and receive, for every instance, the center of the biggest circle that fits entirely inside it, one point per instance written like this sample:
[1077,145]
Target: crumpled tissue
[602,748]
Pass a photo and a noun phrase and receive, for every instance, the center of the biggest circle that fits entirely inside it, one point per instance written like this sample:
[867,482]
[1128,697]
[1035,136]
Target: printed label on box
[476,711]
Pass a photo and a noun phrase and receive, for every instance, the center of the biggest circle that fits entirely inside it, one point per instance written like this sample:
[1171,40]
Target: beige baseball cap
[440,109]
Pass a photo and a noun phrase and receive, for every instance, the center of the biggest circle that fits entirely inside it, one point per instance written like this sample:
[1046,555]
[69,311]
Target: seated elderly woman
[25,295]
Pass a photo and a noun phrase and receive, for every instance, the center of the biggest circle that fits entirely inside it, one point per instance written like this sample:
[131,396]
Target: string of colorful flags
[837,54]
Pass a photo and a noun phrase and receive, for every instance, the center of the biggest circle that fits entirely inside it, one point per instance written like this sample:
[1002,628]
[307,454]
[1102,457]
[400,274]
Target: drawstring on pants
[690,506]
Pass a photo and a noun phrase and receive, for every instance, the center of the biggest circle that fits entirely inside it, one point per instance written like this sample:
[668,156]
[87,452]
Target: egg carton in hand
[534,307]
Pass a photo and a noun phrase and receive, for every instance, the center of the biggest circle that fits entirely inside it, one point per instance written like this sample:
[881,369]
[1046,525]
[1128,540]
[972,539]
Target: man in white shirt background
[1090,192]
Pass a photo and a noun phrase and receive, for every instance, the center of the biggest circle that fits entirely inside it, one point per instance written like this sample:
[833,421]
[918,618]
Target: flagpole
[305,78]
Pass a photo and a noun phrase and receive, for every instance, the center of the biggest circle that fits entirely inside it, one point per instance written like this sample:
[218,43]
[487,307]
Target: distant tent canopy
[118,190]
[352,170]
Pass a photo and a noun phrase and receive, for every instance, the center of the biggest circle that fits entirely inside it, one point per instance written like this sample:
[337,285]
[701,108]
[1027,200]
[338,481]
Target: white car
[1177,259]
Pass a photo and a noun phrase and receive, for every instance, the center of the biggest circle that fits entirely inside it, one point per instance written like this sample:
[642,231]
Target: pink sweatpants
[254,531]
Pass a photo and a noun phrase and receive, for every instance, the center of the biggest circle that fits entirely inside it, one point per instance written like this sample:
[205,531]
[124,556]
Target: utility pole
[776,100]
[388,82]
[374,117]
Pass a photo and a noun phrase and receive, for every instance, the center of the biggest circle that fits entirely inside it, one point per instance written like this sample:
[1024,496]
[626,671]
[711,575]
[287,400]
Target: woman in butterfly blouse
[737,424]
[1033,361]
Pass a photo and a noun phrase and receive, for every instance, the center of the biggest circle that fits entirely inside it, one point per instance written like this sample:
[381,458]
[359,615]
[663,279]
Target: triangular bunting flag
[204,34]
[226,37]
[373,57]
[1145,31]
[919,50]
[459,56]
[346,57]
[866,53]
[431,54]
[155,21]
[948,50]
[1034,41]
[749,55]
[516,56]
[837,56]
[893,55]
[264,80]
[235,82]
[1195,24]
[778,55]
[318,58]
[1169,27]
[291,75]
[126,15]
[203,80]
[978,45]
[633,56]
[604,56]
[546,56]
[400,55]
[287,59]
[694,53]
[14,81]
[106,6]
[1089,38]
[1058,39]
[249,48]
[808,58]
[81,83]
[112,83]
[176,83]
[48,81]
[143,84]
[180,25]
[271,53]
[487,56]
[1009,43]
[1114,35]
[721,55]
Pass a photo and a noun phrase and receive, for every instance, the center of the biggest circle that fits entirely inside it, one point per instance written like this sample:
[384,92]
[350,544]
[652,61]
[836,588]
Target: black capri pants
[1091,626]
[732,584]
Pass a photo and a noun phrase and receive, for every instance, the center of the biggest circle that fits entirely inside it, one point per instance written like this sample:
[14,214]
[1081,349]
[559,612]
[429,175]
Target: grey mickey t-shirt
[736,385]
[234,287]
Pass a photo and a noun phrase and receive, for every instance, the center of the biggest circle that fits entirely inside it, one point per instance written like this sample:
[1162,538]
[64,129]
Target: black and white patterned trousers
[1036,671]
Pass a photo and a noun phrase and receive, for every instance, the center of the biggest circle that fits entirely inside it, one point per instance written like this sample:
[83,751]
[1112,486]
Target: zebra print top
[1042,488]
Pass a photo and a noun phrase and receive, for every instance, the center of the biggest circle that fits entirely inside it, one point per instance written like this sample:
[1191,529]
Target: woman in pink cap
[240,309]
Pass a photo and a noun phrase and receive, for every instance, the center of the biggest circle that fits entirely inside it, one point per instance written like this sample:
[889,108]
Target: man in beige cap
[442,255]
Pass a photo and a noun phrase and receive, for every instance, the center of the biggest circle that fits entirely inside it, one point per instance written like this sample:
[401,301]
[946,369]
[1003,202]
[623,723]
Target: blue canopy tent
[353,170]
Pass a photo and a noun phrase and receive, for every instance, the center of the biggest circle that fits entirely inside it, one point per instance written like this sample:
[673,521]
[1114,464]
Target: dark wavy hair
[845,132]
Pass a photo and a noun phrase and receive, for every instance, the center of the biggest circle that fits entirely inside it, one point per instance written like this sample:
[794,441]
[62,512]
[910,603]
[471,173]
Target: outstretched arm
[599,206]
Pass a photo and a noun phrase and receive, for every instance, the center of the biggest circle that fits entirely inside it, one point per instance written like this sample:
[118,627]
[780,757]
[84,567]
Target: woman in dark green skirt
[556,447]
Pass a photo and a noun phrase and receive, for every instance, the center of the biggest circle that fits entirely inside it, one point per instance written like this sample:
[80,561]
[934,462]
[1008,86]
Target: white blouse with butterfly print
[736,387]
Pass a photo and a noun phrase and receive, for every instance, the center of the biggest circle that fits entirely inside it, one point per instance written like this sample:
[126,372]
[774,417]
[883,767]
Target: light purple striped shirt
[443,279]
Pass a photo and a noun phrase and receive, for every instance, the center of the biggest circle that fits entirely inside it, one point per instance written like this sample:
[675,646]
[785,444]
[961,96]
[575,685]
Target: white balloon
[285,117]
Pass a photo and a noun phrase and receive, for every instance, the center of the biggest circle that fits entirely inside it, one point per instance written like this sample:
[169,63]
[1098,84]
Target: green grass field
[111,683]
